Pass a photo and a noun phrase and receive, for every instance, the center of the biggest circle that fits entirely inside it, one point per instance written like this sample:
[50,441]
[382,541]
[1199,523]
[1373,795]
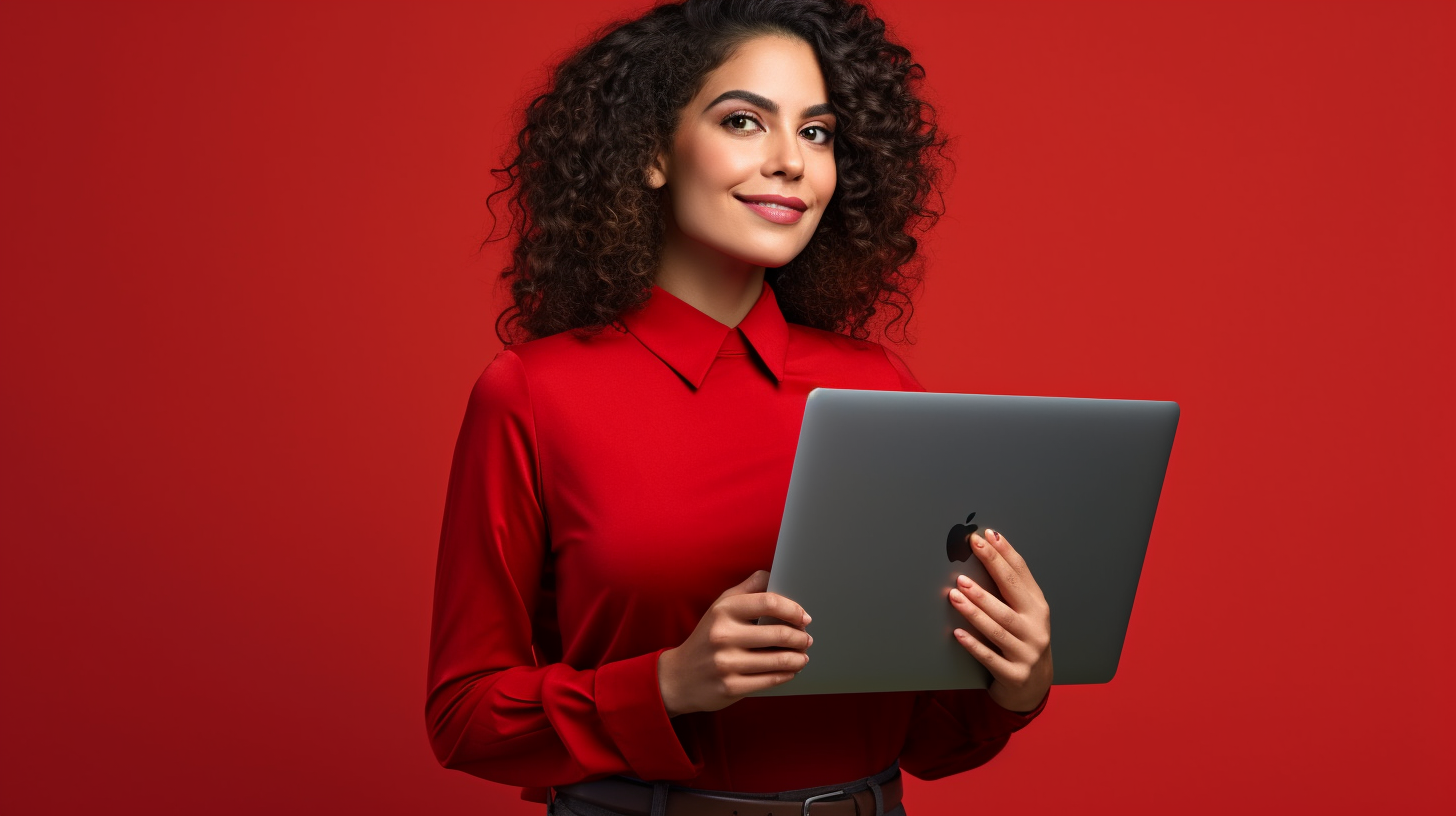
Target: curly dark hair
[589,229]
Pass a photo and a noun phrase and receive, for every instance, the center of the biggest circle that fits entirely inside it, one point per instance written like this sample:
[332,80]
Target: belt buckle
[812,799]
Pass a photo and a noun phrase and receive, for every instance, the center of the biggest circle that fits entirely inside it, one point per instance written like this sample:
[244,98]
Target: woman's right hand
[729,655]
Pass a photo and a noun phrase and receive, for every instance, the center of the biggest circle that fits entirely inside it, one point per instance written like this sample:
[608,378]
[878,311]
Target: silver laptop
[886,485]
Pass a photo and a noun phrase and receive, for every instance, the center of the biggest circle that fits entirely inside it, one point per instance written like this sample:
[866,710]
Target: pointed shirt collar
[688,341]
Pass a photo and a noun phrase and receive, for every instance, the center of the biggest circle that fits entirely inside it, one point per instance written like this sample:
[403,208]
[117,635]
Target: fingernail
[996,535]
[811,640]
[978,541]
[960,633]
[807,619]
[957,595]
[964,581]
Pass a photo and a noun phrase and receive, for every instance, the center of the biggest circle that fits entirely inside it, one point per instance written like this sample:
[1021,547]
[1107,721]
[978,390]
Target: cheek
[827,179]
[710,165]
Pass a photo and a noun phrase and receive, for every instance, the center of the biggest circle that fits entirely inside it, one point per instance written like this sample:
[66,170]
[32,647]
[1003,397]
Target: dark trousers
[566,806]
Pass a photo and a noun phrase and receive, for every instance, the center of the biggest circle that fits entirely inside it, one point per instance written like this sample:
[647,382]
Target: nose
[785,156]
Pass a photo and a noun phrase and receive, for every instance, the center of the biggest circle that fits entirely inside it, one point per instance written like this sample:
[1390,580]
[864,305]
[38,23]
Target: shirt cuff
[629,700]
[1016,720]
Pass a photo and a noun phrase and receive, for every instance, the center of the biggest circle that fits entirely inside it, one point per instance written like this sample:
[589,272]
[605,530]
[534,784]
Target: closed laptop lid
[882,488]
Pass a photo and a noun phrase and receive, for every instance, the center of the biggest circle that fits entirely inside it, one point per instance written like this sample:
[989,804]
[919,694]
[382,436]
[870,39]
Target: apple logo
[957,547]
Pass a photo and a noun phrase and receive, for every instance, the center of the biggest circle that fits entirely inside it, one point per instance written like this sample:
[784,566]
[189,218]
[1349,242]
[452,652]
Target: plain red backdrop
[243,307]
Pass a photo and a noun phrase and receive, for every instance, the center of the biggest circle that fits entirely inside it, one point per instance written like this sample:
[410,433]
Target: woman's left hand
[1016,635]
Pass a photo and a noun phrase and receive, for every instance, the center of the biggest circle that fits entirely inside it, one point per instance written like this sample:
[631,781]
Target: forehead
[780,68]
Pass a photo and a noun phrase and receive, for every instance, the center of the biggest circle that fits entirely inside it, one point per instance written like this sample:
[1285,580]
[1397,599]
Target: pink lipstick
[778,209]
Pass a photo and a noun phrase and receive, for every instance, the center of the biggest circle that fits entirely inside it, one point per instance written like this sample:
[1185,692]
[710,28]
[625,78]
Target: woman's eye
[741,122]
[817,135]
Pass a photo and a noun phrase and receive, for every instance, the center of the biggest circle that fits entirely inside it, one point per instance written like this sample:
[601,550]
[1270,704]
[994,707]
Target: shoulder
[845,351]
[556,372]
[554,356]
[807,340]
[500,395]
[564,348]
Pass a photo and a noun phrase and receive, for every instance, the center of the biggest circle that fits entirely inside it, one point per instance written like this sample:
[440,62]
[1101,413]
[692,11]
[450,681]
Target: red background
[242,310]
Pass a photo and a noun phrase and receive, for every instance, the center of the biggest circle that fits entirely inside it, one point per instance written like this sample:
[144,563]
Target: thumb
[757,582]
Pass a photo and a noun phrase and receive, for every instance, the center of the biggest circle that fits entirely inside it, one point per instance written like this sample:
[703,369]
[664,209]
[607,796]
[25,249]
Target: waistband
[870,796]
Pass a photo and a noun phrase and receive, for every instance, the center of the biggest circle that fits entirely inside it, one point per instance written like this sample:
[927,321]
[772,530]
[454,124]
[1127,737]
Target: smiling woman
[588,232]
[749,173]
[712,206]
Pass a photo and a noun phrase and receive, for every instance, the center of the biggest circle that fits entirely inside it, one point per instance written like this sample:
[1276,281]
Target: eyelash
[828,134]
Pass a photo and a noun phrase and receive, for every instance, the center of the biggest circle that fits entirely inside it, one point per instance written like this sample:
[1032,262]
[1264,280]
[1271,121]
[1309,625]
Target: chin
[770,257]
[768,262]
[751,246]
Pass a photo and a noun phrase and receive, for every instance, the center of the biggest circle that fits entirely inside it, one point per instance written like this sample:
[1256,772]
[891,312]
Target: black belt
[630,796]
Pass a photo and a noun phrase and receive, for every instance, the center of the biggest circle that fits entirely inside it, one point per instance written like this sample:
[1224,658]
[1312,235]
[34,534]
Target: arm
[1012,639]
[956,730]
[492,709]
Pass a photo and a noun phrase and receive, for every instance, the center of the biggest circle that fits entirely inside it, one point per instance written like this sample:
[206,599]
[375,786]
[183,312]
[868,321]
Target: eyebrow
[770,105]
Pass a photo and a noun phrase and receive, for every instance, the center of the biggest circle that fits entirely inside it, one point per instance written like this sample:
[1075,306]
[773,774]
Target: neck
[720,287]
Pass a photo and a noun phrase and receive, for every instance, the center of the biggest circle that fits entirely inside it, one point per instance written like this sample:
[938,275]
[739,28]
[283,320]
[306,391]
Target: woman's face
[752,163]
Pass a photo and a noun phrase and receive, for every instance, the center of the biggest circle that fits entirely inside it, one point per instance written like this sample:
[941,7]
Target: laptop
[885,486]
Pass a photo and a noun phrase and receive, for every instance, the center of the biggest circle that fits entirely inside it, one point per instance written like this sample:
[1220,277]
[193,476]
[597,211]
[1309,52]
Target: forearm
[553,725]
[1021,701]
[954,731]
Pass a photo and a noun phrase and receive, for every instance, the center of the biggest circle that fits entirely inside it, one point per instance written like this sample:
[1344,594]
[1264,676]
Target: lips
[778,209]
[791,203]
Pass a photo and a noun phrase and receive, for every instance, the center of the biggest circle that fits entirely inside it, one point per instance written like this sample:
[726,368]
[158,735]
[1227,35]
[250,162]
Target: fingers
[757,582]
[985,655]
[751,599]
[766,637]
[969,593]
[996,565]
[1012,639]
[995,634]
[1003,546]
[1013,579]
[742,685]
[728,662]
[766,604]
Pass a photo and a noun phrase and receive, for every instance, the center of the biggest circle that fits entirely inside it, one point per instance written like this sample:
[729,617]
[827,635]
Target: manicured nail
[996,535]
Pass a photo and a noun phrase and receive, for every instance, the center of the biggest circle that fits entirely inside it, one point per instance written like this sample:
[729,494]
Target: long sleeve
[954,731]
[497,707]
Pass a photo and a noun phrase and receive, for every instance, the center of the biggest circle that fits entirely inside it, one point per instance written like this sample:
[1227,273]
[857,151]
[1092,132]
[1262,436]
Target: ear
[657,172]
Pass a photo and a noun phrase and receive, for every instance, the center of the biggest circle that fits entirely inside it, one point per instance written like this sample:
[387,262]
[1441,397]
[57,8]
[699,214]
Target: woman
[712,203]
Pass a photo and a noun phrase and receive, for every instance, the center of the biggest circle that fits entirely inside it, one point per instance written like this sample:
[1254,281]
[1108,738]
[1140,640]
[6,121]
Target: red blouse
[605,490]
